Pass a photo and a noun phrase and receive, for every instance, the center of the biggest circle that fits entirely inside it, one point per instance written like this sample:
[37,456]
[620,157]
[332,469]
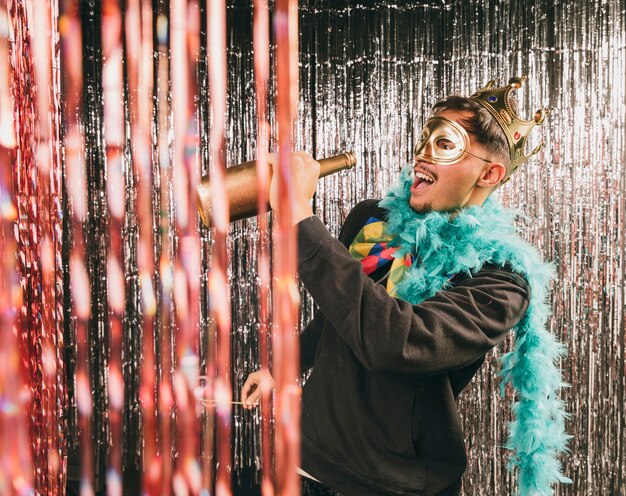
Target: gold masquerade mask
[443,142]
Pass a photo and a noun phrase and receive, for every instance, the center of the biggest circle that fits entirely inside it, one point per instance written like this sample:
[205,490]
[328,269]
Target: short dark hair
[483,125]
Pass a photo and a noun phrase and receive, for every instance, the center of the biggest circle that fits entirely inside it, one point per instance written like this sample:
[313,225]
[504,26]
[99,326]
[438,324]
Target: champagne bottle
[241,185]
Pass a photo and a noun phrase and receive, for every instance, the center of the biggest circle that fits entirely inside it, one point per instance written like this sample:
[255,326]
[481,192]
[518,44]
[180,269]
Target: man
[418,288]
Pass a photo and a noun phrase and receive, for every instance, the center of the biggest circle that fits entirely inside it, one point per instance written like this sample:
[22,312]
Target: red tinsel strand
[261,70]
[286,351]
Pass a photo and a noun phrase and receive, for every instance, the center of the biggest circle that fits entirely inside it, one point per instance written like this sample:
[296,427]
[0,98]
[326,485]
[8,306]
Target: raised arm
[448,331]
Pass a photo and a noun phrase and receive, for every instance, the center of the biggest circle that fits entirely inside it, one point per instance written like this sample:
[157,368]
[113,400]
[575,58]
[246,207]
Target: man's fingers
[253,388]
[272,158]
[253,399]
[248,386]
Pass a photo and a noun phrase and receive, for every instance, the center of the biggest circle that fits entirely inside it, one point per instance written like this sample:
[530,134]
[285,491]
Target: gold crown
[496,100]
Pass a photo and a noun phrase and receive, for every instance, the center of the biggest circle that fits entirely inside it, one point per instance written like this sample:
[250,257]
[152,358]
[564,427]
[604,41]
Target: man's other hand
[305,172]
[253,388]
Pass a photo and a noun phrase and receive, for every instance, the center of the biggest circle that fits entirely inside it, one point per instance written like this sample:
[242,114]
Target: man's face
[454,186]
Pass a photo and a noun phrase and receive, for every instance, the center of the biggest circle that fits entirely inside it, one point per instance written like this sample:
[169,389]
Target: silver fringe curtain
[370,71]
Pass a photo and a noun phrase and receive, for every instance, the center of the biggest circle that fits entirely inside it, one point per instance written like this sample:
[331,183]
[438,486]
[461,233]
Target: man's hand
[253,388]
[305,172]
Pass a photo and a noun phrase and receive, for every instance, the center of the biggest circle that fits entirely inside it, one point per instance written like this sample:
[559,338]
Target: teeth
[421,175]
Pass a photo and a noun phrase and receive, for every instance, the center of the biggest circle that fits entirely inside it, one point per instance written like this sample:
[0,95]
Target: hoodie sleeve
[309,341]
[449,331]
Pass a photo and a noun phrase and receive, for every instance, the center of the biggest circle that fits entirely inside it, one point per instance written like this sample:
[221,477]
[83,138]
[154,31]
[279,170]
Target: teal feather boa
[477,235]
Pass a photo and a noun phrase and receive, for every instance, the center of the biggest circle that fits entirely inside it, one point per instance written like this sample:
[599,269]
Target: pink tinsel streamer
[286,296]
[112,84]
[261,71]
[16,475]
[36,179]
[218,286]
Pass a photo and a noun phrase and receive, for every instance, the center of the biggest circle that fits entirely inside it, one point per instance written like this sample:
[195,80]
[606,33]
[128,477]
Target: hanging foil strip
[261,37]
[186,276]
[375,72]
[95,238]
[36,186]
[133,330]
[286,300]
[206,338]
[69,30]
[242,276]
[113,100]
[15,448]
[25,174]
[368,75]
[181,258]
[219,291]
[48,158]
[138,49]
[16,452]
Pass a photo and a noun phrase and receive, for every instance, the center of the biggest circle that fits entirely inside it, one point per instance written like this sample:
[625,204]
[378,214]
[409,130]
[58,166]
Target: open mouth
[421,181]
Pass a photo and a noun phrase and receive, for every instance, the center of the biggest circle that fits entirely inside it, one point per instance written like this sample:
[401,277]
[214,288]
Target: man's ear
[492,174]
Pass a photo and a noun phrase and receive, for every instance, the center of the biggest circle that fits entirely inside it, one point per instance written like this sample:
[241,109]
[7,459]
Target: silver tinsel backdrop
[369,74]
[370,71]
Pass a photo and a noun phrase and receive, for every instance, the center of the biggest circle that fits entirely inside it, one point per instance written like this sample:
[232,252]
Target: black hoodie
[379,413]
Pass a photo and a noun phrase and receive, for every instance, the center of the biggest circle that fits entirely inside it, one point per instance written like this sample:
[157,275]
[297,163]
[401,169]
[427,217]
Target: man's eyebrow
[467,125]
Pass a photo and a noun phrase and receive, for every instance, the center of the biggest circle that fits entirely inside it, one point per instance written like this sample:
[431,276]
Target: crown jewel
[496,100]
